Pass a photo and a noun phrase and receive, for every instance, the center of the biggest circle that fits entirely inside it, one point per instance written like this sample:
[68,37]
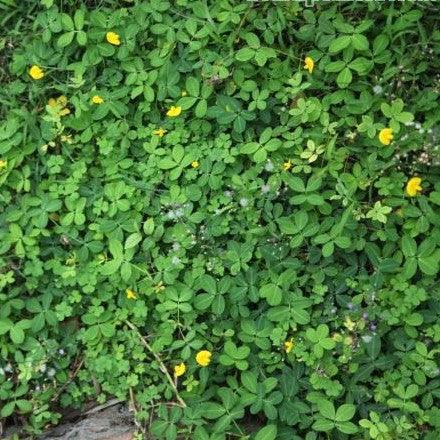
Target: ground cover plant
[225,213]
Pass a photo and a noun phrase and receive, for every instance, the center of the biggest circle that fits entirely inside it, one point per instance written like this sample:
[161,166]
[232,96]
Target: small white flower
[43,368]
[51,372]
[377,89]
[265,188]
[244,202]
[176,247]
[171,215]
[418,125]
[269,166]
[61,352]
[228,193]
[175,260]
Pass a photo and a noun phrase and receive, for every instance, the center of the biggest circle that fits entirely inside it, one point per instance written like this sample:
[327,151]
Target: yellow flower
[179,370]
[337,337]
[348,323]
[195,164]
[160,132]
[203,358]
[287,165]
[413,186]
[159,287]
[130,294]
[174,111]
[113,38]
[309,64]
[348,340]
[184,93]
[36,72]
[3,164]
[96,99]
[386,136]
[288,345]
[59,103]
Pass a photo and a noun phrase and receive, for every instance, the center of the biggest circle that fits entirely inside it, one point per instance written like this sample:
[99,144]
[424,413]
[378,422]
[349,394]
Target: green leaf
[323,425]
[5,325]
[7,409]
[429,265]
[345,412]
[360,42]
[272,293]
[380,43]
[245,54]
[339,43]
[133,240]
[115,247]
[192,86]
[326,408]
[211,410]
[65,39]
[201,108]
[24,405]
[409,246]
[81,38]
[78,19]
[347,427]
[17,334]
[328,249]
[344,78]
[269,432]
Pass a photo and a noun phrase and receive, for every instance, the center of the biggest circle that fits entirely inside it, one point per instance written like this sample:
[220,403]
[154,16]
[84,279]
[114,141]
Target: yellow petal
[174,111]
[36,72]
[203,358]
[130,294]
[113,38]
[413,186]
[309,64]
[96,99]
[386,136]
[179,370]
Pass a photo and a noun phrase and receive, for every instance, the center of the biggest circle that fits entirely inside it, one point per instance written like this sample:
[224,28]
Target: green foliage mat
[223,212]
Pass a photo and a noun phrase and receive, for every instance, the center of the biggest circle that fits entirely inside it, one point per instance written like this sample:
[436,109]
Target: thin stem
[162,366]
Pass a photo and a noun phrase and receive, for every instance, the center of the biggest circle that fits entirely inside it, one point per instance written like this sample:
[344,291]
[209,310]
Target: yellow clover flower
[113,38]
[3,164]
[287,165]
[203,358]
[60,104]
[96,99]
[36,72]
[195,164]
[386,136]
[179,370]
[160,132]
[159,287]
[130,294]
[413,186]
[309,64]
[174,111]
[288,345]
[348,323]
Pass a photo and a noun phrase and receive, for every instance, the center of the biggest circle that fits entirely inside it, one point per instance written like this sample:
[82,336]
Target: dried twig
[105,405]
[69,381]
[162,367]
